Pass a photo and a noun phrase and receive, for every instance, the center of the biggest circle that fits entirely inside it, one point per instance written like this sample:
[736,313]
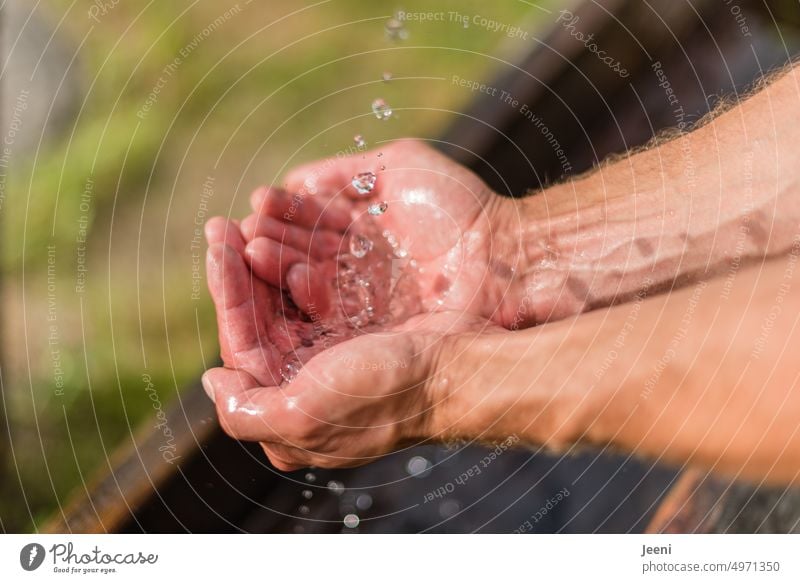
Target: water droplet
[336,487]
[360,245]
[395,30]
[351,520]
[387,76]
[381,109]
[359,141]
[364,502]
[380,154]
[377,208]
[308,494]
[382,167]
[418,466]
[401,253]
[449,508]
[290,370]
[303,509]
[364,182]
[311,477]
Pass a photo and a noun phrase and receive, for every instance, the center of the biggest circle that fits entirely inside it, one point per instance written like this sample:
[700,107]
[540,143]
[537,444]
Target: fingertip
[222,230]
[208,385]
[248,227]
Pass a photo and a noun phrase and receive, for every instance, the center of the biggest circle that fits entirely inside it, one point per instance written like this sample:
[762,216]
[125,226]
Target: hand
[350,402]
[441,218]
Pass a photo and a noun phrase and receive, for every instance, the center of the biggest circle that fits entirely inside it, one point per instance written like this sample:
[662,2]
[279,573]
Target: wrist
[489,386]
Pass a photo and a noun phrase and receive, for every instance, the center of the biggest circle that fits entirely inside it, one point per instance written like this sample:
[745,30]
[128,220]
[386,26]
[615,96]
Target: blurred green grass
[275,84]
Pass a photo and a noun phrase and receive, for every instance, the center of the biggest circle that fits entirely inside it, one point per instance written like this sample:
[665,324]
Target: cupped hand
[354,398]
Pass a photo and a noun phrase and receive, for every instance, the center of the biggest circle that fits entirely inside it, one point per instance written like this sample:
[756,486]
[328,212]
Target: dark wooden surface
[219,485]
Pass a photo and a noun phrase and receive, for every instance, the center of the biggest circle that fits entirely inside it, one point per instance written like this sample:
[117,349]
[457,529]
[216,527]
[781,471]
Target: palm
[438,235]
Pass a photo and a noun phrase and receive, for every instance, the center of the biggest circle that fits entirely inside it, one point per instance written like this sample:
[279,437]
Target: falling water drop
[364,502]
[387,76]
[364,182]
[307,494]
[351,520]
[359,141]
[378,208]
[311,477]
[418,466]
[381,109]
[303,509]
[336,487]
[395,29]
[360,245]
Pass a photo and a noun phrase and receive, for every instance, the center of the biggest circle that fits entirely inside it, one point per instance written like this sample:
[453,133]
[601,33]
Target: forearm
[696,206]
[680,377]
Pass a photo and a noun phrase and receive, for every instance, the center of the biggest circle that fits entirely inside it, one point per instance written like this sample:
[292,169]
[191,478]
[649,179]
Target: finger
[300,209]
[308,289]
[241,302]
[250,412]
[222,230]
[317,243]
[271,261]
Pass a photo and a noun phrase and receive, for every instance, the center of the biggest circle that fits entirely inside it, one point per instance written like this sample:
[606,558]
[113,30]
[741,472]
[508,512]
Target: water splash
[360,245]
[381,109]
[364,182]
[290,369]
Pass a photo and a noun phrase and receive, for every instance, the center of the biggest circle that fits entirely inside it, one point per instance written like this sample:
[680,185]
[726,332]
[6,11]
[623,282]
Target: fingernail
[207,386]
